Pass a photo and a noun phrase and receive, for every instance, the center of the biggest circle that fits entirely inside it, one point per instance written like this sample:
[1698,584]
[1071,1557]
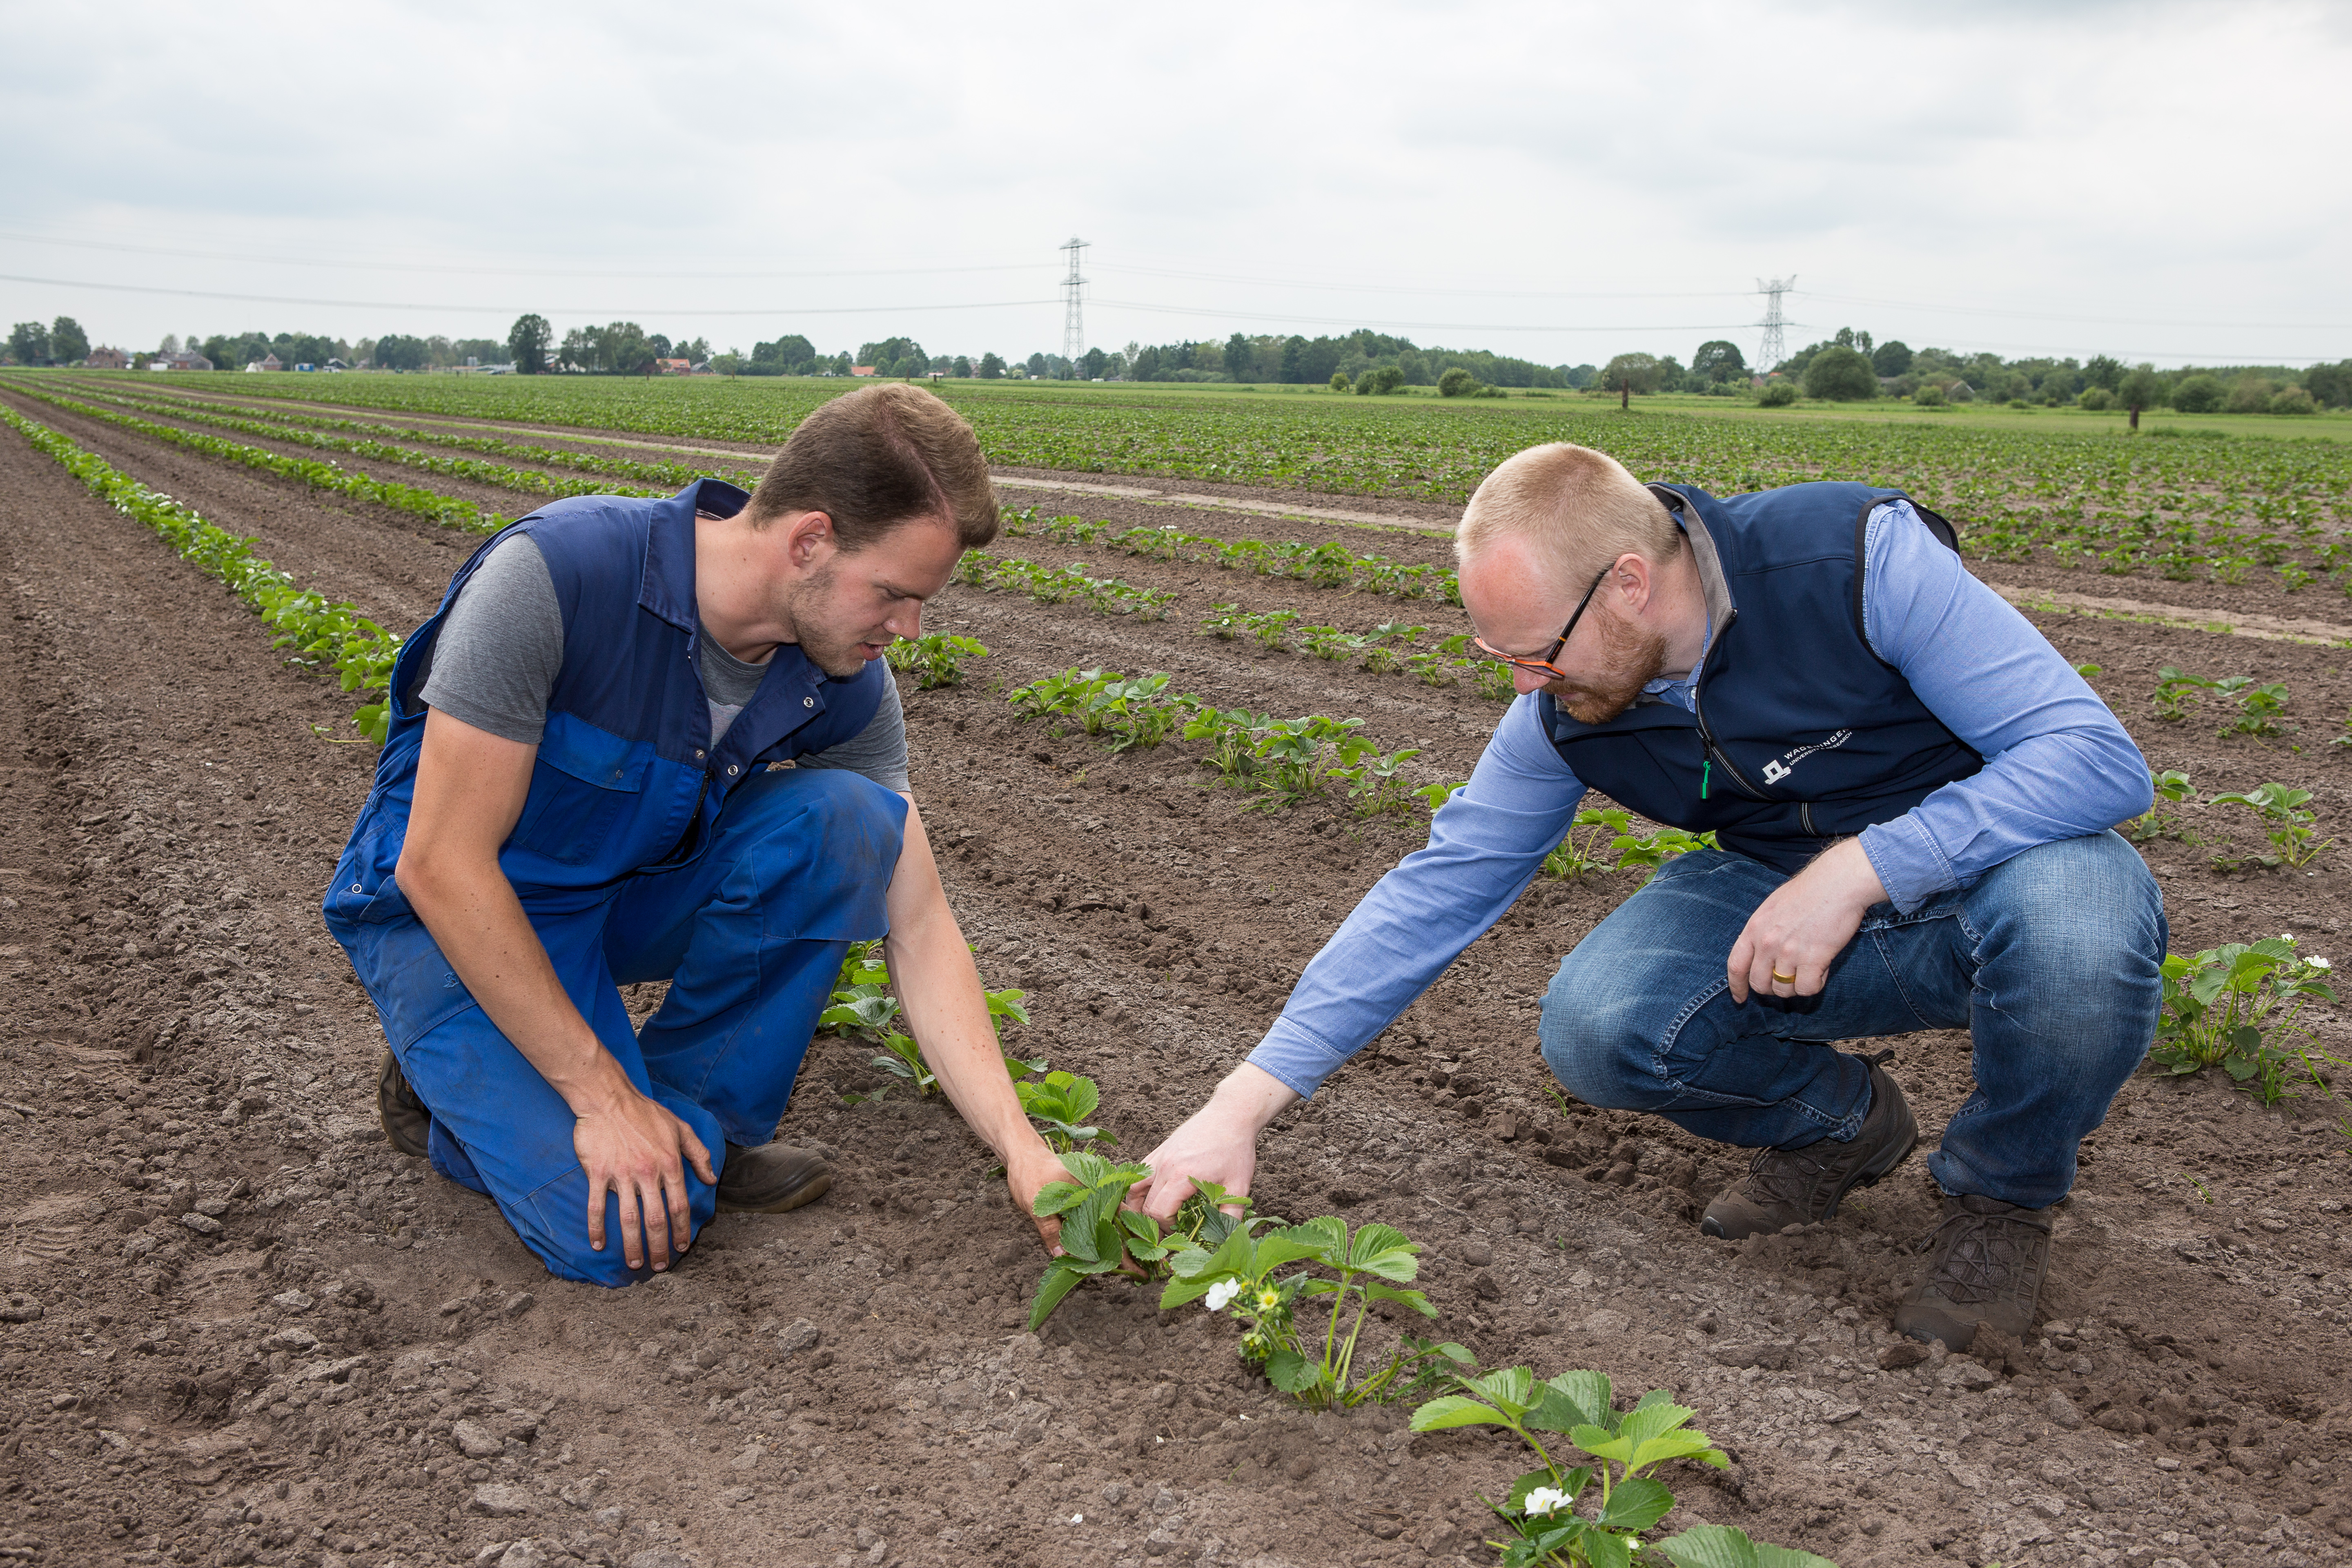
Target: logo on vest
[1780,768]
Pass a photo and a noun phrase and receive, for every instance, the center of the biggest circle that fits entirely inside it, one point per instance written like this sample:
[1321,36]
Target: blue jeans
[750,936]
[2050,961]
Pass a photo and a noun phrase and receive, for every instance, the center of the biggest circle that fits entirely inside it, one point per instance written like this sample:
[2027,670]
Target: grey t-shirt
[501,646]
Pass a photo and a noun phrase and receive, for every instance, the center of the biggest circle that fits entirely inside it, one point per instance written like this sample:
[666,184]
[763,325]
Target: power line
[614,312]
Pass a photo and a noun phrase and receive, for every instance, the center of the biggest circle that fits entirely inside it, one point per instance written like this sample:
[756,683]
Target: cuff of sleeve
[1910,864]
[1296,1057]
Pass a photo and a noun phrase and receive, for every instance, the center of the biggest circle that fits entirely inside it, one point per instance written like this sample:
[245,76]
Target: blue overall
[642,852]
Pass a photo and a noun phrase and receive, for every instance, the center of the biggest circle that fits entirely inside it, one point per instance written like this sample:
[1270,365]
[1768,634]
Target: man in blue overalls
[655,739]
[1914,794]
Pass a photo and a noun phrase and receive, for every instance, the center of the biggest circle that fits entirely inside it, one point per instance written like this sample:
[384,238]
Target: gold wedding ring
[1784,979]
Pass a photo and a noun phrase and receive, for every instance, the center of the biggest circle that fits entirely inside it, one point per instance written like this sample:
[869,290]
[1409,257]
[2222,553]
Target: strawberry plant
[1373,1264]
[2234,1008]
[1098,1235]
[2171,785]
[936,659]
[2259,707]
[863,1008]
[1595,1514]
[1062,1101]
[2286,824]
[1612,827]
[1376,783]
[2176,693]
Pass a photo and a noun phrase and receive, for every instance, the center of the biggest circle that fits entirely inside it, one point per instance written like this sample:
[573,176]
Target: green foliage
[864,1009]
[2198,395]
[2258,706]
[2176,693]
[1130,711]
[1061,1101]
[936,659]
[323,636]
[1599,829]
[1456,381]
[1595,1514]
[2234,1008]
[1340,381]
[2171,785]
[1372,1264]
[1782,393]
[1099,1235]
[2294,842]
[1840,375]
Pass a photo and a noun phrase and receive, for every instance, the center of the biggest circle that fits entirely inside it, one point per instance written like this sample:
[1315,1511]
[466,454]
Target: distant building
[107,359]
[861,370]
[267,362]
[674,366]
[185,360]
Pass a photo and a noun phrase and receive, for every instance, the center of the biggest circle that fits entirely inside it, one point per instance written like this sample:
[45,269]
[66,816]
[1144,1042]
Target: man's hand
[1804,925]
[1219,1143]
[631,1146]
[1027,1172]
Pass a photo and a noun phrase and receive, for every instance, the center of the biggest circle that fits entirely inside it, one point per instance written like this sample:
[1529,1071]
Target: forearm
[1249,1098]
[479,924]
[947,1010]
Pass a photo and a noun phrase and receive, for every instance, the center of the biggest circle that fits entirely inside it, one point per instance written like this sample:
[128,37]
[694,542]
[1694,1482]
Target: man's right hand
[1218,1144]
[631,1146]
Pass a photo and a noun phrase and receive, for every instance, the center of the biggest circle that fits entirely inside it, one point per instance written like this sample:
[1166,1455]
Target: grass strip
[308,430]
[323,636]
[449,510]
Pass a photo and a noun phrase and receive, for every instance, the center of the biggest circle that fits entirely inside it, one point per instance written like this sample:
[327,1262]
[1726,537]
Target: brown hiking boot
[405,1121]
[1797,1186]
[771,1179]
[1989,1260]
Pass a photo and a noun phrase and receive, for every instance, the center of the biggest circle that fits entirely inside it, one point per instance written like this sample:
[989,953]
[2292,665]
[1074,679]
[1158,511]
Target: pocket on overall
[582,784]
[408,978]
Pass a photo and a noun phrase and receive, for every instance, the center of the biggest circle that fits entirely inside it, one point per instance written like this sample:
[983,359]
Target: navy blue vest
[626,779]
[1802,735]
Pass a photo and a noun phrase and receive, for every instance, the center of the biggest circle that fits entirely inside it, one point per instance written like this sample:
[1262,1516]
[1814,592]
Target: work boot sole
[406,1123]
[787,1189]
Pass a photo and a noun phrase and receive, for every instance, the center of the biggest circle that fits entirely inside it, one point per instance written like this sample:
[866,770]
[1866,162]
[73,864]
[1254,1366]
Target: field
[238,1328]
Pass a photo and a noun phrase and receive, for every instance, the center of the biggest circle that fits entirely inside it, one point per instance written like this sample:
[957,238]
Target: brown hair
[877,458]
[1578,508]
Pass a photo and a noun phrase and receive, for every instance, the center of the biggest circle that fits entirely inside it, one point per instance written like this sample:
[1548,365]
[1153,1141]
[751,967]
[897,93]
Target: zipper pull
[1706,772]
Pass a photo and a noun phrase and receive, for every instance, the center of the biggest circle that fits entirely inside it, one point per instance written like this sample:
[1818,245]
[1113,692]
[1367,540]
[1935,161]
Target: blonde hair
[1579,509]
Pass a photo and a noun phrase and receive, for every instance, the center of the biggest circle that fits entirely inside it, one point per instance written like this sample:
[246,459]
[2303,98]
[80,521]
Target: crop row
[1062,585]
[445,510]
[669,477]
[321,636]
[501,476]
[1330,564]
[2005,481]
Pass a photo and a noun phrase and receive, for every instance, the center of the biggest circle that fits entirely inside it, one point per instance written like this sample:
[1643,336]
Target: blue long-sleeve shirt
[2058,764]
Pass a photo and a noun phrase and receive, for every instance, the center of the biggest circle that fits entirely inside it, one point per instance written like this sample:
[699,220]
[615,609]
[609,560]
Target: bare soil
[240,1329]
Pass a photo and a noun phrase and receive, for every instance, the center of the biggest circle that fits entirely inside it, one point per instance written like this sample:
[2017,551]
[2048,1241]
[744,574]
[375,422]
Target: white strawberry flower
[1221,1293]
[1544,1499]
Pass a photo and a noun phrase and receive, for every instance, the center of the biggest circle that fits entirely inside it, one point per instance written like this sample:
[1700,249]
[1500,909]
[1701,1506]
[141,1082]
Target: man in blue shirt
[1914,794]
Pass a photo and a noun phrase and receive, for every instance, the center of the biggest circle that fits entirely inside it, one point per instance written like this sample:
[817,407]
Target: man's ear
[1631,575]
[808,538]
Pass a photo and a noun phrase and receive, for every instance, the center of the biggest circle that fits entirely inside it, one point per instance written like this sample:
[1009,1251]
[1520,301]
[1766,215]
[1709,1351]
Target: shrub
[1456,381]
[2198,395]
[1840,375]
[2251,395]
[2293,400]
[1340,382]
[1777,394]
[2097,398]
[1380,380]
[1928,397]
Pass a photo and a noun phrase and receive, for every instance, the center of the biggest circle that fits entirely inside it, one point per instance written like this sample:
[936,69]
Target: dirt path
[344,1360]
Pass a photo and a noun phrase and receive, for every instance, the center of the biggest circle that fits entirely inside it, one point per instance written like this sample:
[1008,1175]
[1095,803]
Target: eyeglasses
[1545,663]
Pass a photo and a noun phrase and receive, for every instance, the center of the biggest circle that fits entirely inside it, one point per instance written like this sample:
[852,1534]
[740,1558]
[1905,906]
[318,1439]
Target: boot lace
[1983,1257]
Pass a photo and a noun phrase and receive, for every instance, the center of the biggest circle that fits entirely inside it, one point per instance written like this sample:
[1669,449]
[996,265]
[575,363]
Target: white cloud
[2146,179]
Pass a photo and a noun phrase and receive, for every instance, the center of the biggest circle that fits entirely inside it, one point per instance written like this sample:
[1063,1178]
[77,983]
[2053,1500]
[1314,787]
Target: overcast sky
[1560,181]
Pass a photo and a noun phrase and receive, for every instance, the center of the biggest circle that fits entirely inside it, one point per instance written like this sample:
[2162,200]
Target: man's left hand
[1026,1173]
[1804,925]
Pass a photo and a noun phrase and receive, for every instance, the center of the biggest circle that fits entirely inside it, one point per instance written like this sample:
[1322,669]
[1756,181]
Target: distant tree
[1629,373]
[2104,373]
[528,341]
[167,348]
[1095,363]
[2096,398]
[838,364]
[1932,396]
[1241,357]
[69,344]
[2139,388]
[1294,360]
[1841,375]
[991,366]
[2330,385]
[2292,400]
[659,344]
[728,363]
[1580,376]
[1340,382]
[2252,395]
[694,352]
[1717,362]
[2198,395]
[1380,380]
[397,350]
[1037,365]
[1456,381]
[961,368]
[1892,357]
[28,343]
[1777,394]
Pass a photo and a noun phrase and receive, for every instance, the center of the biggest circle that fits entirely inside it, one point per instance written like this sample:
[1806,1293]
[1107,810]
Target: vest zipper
[1705,734]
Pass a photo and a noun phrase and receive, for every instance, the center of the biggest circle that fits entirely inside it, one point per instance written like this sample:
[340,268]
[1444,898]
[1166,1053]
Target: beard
[1632,658]
[832,648]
